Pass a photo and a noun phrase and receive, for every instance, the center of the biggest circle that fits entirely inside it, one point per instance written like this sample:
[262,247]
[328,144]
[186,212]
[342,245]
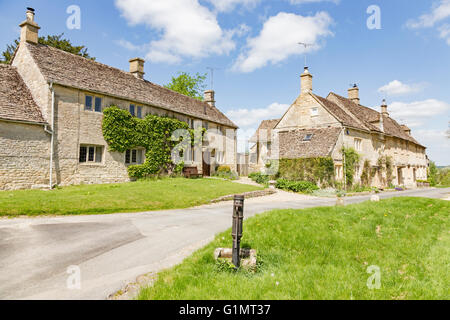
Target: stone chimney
[384,107]
[209,98]
[29,28]
[137,67]
[306,81]
[353,94]
[406,129]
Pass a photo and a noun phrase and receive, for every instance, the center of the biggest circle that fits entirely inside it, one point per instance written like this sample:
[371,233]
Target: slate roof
[267,125]
[16,101]
[74,71]
[322,143]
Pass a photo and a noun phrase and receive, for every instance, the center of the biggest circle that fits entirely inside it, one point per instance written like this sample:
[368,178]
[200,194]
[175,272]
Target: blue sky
[252,45]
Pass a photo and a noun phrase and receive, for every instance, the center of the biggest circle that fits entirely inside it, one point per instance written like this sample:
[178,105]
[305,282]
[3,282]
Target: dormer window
[308,137]
[314,112]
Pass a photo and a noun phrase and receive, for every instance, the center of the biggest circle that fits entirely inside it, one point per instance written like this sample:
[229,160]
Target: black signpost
[238,217]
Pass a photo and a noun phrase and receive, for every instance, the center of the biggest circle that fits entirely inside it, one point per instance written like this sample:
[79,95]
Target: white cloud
[437,142]
[445,32]
[414,113]
[248,120]
[187,29]
[438,13]
[229,5]
[129,46]
[311,1]
[396,88]
[279,39]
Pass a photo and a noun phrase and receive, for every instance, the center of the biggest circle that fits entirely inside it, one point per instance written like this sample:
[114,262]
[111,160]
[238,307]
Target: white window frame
[94,100]
[131,162]
[314,112]
[358,144]
[96,153]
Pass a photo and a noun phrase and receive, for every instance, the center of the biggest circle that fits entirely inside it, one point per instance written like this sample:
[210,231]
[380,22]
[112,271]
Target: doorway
[206,165]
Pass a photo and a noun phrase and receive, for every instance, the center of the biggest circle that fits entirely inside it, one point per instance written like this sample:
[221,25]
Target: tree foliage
[191,86]
[56,41]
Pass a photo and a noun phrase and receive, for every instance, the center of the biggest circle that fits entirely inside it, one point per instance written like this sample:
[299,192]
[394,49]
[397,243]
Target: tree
[56,41]
[191,86]
[432,173]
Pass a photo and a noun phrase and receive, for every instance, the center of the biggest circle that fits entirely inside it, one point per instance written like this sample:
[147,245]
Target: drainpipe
[52,132]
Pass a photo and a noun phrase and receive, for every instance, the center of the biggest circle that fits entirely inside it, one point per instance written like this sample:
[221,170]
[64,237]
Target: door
[206,166]
[400,176]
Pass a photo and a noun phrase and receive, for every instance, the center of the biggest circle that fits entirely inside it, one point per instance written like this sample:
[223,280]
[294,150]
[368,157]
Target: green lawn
[324,253]
[127,197]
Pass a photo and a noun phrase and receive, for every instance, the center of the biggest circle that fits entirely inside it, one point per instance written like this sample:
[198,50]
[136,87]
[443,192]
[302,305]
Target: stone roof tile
[16,101]
[74,71]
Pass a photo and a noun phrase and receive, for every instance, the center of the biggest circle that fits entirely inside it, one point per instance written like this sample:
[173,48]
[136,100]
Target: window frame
[314,113]
[358,144]
[308,137]
[95,154]
[93,104]
[129,154]
[132,107]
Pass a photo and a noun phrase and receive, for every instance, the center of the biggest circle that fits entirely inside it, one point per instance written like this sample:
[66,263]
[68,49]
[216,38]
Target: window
[139,112]
[308,137]
[98,104]
[91,154]
[314,112]
[92,103]
[358,144]
[191,123]
[134,156]
[205,125]
[132,110]
[88,103]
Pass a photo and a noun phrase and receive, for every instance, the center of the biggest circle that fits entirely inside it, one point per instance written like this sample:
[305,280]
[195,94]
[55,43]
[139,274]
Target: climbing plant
[318,170]
[122,131]
[352,158]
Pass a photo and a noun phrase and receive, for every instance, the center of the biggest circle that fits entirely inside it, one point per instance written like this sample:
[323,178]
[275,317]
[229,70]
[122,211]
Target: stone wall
[24,156]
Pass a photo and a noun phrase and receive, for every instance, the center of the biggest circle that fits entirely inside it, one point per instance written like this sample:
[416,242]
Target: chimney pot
[209,98]
[306,81]
[29,28]
[384,107]
[137,67]
[353,94]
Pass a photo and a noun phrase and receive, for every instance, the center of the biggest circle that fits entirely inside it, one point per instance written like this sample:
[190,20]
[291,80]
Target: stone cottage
[314,126]
[51,105]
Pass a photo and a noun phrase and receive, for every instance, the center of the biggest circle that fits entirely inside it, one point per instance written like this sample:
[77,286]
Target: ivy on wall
[352,158]
[318,170]
[122,131]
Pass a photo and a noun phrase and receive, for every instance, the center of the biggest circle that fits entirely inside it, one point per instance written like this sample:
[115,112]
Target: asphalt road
[112,250]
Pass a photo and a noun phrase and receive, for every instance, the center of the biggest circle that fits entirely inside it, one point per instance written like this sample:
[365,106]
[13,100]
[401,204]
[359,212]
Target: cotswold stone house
[320,127]
[51,105]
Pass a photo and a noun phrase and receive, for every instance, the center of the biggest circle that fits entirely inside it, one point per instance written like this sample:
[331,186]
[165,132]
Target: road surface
[112,250]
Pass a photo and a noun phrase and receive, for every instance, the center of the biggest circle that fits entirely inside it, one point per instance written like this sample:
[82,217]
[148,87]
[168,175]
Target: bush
[297,186]
[226,169]
[229,175]
[259,178]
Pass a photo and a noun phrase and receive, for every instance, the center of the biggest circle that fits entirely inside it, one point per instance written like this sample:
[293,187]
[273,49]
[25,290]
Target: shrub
[259,178]
[229,175]
[224,169]
[297,186]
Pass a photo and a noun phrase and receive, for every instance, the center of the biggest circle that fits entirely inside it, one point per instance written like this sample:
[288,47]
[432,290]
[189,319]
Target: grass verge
[324,253]
[169,193]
